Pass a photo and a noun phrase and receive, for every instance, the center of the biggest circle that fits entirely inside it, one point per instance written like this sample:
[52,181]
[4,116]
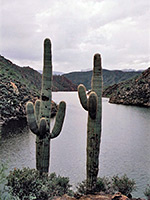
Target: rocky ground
[100,196]
[21,84]
[132,92]
[13,99]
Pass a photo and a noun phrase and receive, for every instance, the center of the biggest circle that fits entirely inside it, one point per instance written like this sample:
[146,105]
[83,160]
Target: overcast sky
[117,29]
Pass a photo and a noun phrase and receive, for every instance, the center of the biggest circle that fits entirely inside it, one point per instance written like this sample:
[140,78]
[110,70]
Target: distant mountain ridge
[54,72]
[110,77]
[32,78]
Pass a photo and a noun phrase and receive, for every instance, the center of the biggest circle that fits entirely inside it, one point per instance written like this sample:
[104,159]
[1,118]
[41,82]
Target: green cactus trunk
[38,116]
[43,143]
[94,107]
[42,154]
[45,106]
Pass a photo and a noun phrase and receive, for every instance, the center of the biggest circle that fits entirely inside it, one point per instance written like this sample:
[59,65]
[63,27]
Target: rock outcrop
[17,86]
[20,84]
[13,98]
[132,92]
[117,196]
[61,83]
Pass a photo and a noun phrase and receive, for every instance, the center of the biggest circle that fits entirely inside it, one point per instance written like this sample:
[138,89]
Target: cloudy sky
[117,29]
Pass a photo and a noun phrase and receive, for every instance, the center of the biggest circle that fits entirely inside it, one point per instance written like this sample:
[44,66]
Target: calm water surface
[125,144]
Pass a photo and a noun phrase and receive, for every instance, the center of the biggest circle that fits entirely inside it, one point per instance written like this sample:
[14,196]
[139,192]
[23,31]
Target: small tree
[147,192]
[123,184]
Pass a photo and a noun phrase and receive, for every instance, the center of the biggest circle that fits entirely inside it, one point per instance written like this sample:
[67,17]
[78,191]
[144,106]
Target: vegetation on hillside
[16,89]
[30,77]
[19,84]
[109,77]
[135,91]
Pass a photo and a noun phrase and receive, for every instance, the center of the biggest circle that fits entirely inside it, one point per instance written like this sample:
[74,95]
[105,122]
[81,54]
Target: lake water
[125,143]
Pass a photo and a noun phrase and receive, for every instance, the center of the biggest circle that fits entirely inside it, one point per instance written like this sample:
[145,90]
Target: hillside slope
[110,77]
[20,84]
[32,78]
[131,92]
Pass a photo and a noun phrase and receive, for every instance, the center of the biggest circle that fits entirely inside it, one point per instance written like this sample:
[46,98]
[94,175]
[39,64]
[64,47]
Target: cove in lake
[124,144]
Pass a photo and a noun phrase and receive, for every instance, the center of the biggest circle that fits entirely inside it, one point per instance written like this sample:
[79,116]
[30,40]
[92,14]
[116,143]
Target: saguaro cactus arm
[92,104]
[42,127]
[82,96]
[59,120]
[31,118]
[37,110]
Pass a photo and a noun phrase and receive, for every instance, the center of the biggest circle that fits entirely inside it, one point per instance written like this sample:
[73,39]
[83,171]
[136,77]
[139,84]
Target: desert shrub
[110,185]
[5,191]
[100,185]
[123,184]
[147,192]
[81,188]
[29,184]
[103,184]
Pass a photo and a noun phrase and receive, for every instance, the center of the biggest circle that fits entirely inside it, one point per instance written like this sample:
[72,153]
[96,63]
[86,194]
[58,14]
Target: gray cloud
[119,30]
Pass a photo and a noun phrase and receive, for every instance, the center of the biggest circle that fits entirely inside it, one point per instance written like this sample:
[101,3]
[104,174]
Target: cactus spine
[93,105]
[38,116]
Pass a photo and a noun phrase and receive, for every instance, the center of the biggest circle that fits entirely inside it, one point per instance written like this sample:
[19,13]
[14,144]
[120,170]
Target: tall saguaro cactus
[38,116]
[93,105]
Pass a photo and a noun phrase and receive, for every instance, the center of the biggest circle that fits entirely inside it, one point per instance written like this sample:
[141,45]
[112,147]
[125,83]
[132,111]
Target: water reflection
[124,146]
[16,147]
